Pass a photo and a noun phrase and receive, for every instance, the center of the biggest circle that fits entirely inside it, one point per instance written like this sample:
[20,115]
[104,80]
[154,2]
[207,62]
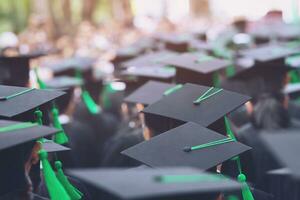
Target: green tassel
[228,129]
[41,83]
[216,79]
[90,103]
[230,71]
[232,197]
[38,116]
[73,192]
[55,189]
[246,192]
[294,76]
[60,137]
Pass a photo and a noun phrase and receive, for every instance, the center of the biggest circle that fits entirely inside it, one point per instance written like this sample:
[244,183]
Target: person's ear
[34,158]
[249,107]
[147,133]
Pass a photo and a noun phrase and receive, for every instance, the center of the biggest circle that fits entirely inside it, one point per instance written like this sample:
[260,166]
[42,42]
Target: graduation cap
[292,89]
[69,66]
[175,42]
[52,147]
[149,59]
[150,92]
[14,133]
[63,82]
[196,103]
[18,100]
[187,145]
[293,61]
[269,53]
[284,145]
[15,69]
[150,184]
[196,67]
[126,53]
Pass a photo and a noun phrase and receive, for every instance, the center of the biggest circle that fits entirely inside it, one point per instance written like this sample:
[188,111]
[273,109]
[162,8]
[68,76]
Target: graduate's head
[270,112]
[15,163]
[155,125]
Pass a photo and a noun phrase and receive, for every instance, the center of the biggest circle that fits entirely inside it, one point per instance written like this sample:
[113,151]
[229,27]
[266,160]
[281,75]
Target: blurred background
[92,26]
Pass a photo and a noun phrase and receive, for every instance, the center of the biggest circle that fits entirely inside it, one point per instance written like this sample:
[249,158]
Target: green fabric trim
[209,93]
[16,94]
[18,126]
[173,89]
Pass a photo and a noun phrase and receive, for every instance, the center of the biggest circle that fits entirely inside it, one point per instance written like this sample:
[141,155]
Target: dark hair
[12,168]
[269,112]
[159,124]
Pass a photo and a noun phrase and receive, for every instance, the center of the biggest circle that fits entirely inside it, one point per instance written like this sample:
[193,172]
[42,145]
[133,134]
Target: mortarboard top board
[293,61]
[151,72]
[50,146]
[196,67]
[155,184]
[68,66]
[126,53]
[14,133]
[196,103]
[175,42]
[63,82]
[16,68]
[292,89]
[149,93]
[149,59]
[269,53]
[284,145]
[280,171]
[187,145]
[18,100]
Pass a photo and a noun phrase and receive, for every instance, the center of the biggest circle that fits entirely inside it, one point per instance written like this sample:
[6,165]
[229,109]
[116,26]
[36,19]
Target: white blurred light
[8,39]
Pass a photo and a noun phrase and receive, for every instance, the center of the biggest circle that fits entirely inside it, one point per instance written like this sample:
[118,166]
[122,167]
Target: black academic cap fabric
[197,62]
[147,184]
[268,53]
[63,82]
[149,93]
[19,136]
[73,63]
[50,146]
[149,59]
[157,71]
[285,147]
[24,102]
[179,105]
[168,149]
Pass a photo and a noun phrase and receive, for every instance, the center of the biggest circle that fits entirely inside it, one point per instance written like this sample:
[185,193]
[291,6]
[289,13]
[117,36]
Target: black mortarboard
[149,59]
[196,67]
[63,82]
[196,103]
[187,145]
[149,93]
[69,66]
[126,53]
[284,145]
[155,184]
[13,133]
[18,100]
[175,42]
[269,53]
[15,69]
[50,146]
[293,90]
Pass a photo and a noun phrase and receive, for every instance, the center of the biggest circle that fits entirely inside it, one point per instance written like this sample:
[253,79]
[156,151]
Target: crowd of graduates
[172,115]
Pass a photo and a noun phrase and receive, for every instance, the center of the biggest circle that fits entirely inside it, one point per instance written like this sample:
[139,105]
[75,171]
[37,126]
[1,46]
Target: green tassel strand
[38,117]
[60,137]
[41,83]
[55,189]
[73,192]
[246,192]
[90,103]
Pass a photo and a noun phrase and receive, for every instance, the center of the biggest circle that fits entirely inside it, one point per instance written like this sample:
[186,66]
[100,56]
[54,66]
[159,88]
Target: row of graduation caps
[198,106]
